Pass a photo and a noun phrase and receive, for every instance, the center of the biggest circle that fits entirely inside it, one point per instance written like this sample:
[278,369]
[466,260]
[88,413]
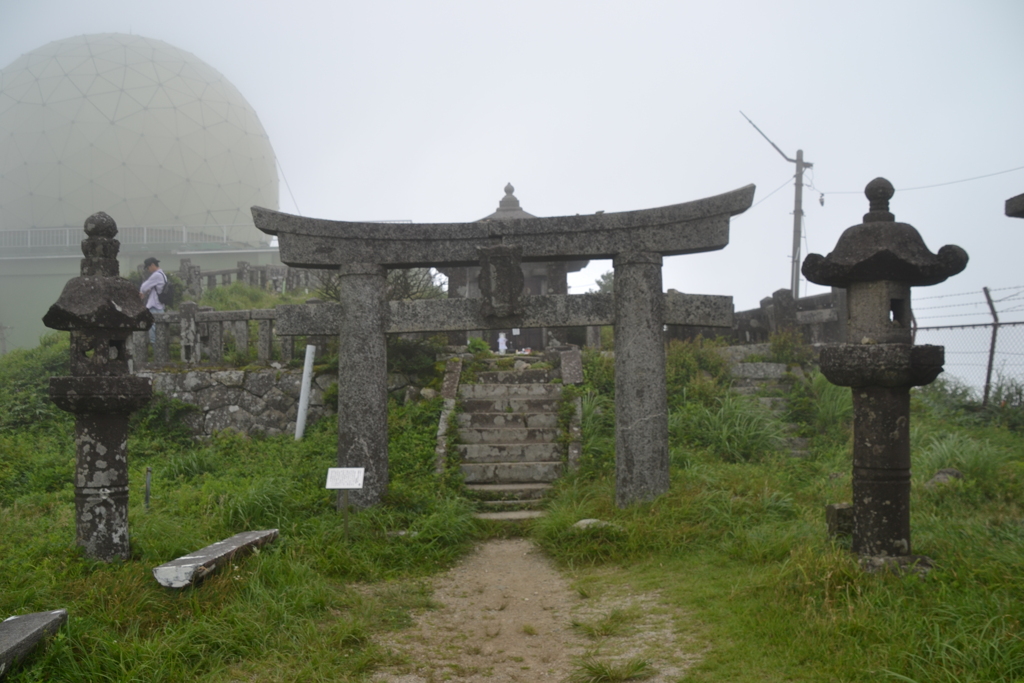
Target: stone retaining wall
[248,401]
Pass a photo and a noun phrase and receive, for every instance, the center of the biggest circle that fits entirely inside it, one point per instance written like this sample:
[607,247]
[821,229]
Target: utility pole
[798,210]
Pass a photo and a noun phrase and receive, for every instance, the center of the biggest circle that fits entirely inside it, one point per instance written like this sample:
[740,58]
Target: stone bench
[20,634]
[194,567]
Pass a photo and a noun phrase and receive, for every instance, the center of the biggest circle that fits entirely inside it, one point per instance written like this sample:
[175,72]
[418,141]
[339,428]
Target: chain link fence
[970,351]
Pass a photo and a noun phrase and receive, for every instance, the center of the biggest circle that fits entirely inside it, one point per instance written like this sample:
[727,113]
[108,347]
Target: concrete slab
[20,634]
[196,566]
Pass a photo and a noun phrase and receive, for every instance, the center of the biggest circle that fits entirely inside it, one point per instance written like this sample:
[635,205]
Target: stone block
[20,634]
[883,365]
[192,381]
[223,316]
[823,315]
[196,566]
[229,378]
[839,518]
[259,383]
[572,367]
[452,373]
[758,371]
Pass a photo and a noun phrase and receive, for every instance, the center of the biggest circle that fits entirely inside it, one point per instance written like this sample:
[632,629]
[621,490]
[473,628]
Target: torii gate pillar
[641,402]
[363,379]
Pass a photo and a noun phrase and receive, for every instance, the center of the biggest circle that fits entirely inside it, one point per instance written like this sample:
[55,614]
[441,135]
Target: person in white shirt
[150,291]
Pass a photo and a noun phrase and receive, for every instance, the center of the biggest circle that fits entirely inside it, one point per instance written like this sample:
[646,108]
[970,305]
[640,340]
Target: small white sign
[515,331]
[345,477]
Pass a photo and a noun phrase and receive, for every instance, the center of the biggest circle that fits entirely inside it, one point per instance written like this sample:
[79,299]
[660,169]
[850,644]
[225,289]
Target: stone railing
[203,333]
[820,319]
[273,277]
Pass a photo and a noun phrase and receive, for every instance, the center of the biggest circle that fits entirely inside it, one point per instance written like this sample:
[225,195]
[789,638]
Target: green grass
[616,622]
[736,550]
[589,669]
[288,613]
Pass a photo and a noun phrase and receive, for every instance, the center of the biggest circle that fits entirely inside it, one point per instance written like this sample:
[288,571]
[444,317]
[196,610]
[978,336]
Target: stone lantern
[101,310]
[877,262]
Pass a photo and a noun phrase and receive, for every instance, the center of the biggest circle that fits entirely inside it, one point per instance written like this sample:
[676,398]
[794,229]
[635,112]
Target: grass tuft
[592,670]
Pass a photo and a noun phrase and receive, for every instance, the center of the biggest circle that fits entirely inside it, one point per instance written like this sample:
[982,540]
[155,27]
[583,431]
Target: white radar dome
[134,127]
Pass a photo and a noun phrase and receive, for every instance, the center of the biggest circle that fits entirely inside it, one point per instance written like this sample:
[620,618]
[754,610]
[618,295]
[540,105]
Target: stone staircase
[768,382]
[509,436]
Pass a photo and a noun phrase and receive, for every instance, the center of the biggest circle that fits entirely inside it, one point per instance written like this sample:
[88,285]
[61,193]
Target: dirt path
[507,614]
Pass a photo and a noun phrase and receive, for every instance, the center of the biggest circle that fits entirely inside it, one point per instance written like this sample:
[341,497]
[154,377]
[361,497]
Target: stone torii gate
[636,241]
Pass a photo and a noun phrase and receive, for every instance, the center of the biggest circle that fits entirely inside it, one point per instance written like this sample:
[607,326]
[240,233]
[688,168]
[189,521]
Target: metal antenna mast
[798,209]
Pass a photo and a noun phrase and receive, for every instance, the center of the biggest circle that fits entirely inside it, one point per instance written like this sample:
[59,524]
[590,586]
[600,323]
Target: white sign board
[345,477]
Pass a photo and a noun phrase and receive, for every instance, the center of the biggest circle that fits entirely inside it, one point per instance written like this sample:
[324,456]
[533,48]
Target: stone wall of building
[248,401]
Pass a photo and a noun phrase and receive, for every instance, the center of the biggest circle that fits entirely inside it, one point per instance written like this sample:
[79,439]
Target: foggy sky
[424,110]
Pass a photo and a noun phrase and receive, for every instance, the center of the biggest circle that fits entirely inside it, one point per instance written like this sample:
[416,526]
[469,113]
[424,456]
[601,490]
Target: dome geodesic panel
[134,127]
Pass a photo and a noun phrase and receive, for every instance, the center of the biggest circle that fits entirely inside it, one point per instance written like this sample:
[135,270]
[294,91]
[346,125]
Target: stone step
[511,504]
[510,405]
[519,420]
[495,361]
[501,391]
[511,472]
[773,371]
[773,403]
[513,377]
[495,494]
[735,354]
[754,386]
[507,435]
[530,452]
[798,443]
[510,515]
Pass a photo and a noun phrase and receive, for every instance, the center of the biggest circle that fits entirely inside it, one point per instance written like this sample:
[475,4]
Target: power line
[286,184]
[946,296]
[926,187]
[932,308]
[784,183]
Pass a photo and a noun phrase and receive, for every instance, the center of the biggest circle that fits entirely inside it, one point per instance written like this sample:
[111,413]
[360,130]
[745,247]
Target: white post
[307,378]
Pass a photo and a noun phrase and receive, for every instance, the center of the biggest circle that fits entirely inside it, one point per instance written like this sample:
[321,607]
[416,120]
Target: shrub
[821,405]
[788,346]
[413,356]
[478,346]
[735,429]
[597,433]
[25,380]
[599,371]
[695,371]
